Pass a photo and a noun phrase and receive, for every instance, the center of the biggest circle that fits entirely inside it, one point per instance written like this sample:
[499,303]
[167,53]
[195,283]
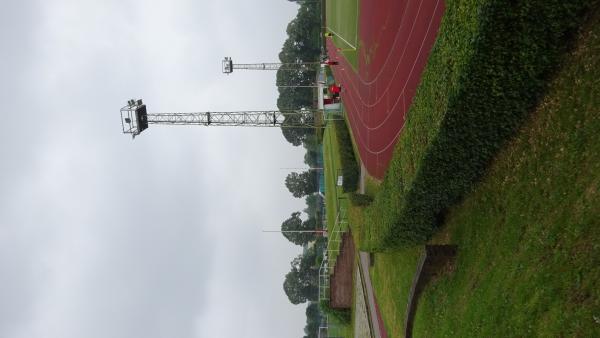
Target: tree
[302,45]
[313,202]
[313,320]
[294,223]
[302,184]
[301,283]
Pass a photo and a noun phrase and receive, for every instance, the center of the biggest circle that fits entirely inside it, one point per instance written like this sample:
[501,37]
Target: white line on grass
[338,35]
[356,26]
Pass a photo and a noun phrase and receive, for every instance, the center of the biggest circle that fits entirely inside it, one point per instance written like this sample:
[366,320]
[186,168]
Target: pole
[295,231]
[301,168]
[312,86]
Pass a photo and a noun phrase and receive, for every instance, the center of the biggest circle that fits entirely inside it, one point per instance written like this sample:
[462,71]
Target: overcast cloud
[101,236]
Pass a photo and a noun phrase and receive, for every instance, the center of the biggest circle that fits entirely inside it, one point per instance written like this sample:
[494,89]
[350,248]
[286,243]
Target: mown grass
[340,329]
[392,275]
[342,18]
[486,72]
[335,198]
[529,259]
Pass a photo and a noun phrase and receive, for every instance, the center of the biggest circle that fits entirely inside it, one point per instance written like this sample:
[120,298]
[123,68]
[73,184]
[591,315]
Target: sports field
[394,40]
[342,22]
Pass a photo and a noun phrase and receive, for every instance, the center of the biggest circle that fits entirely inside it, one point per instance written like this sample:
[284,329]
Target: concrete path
[362,326]
[363,173]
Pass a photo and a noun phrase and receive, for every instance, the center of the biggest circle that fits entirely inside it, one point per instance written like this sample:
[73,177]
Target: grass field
[529,257]
[339,329]
[336,201]
[392,275]
[342,21]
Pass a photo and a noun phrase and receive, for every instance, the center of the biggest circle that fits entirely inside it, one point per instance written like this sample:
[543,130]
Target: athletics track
[396,38]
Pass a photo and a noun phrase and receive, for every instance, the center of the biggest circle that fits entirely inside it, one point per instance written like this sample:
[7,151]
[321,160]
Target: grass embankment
[392,276]
[342,21]
[484,75]
[529,256]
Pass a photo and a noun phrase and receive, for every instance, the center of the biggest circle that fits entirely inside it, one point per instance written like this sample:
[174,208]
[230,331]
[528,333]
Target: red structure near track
[396,38]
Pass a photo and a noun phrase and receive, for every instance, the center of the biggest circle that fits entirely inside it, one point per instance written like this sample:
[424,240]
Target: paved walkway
[362,327]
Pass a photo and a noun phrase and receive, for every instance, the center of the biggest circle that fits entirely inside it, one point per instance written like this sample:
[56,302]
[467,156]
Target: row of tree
[303,45]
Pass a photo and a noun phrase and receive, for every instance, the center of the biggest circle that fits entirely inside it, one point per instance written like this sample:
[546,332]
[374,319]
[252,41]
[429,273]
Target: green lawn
[528,234]
[529,259]
[339,329]
[392,275]
[335,199]
[342,21]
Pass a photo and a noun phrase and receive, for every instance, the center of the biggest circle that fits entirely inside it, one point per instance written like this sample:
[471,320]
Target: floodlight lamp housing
[227,65]
[134,118]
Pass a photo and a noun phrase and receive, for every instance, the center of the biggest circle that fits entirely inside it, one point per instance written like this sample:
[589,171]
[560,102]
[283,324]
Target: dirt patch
[341,280]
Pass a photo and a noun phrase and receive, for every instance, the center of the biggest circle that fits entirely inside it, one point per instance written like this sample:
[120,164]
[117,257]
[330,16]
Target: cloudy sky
[102,236]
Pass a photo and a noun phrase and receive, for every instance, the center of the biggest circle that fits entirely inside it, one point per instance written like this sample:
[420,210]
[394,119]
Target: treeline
[303,45]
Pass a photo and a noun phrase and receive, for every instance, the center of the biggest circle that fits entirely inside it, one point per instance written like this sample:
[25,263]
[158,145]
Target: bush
[350,169]
[360,200]
[488,69]
[343,316]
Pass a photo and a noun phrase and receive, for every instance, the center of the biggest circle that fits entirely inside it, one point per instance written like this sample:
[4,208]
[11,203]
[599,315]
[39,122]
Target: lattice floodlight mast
[135,118]
[229,66]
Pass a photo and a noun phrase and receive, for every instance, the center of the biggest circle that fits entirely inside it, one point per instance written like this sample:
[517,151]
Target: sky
[102,236]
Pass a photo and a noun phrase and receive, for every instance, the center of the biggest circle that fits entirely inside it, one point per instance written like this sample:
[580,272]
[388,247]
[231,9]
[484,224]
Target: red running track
[396,36]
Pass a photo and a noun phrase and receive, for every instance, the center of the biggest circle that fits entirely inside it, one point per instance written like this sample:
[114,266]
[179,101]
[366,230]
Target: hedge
[488,69]
[360,200]
[350,169]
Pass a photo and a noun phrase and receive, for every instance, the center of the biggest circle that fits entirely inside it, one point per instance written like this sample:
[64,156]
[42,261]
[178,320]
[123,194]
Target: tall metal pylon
[135,118]
[229,66]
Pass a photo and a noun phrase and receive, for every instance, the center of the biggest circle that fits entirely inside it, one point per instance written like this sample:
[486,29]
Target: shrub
[360,200]
[350,169]
[342,315]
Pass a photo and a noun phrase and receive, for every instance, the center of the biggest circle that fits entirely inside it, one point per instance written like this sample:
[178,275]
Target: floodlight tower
[135,118]
[229,66]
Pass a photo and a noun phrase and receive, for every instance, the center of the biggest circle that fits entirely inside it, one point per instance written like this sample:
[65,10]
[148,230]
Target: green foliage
[294,223]
[342,315]
[311,158]
[313,202]
[301,283]
[360,200]
[486,72]
[350,169]
[528,233]
[300,46]
[313,320]
[302,184]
